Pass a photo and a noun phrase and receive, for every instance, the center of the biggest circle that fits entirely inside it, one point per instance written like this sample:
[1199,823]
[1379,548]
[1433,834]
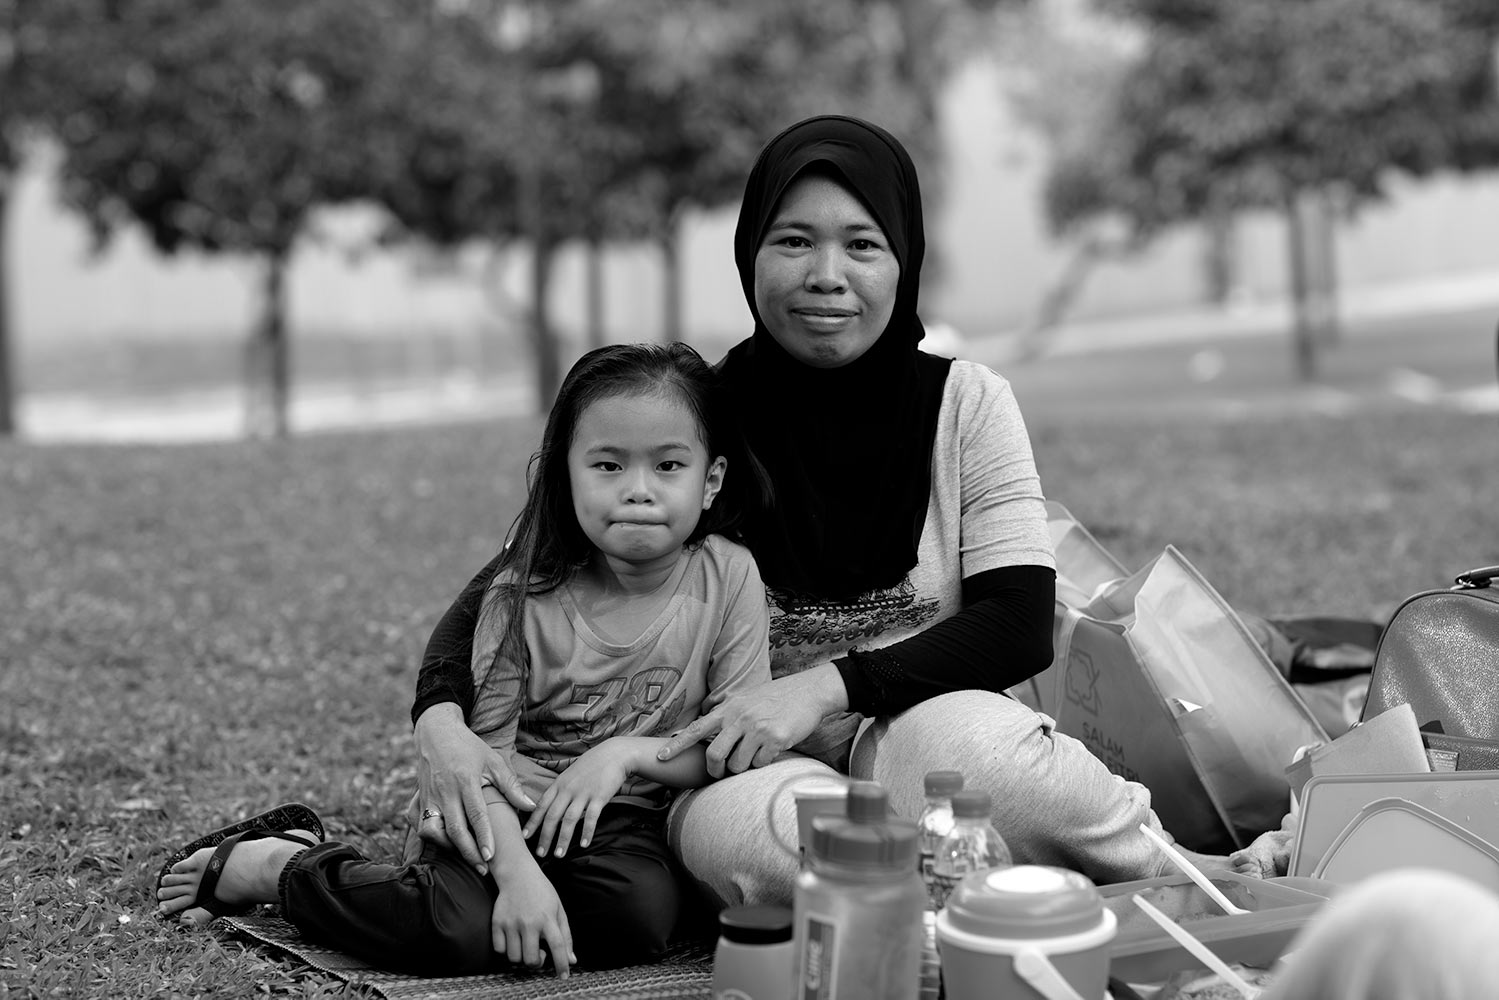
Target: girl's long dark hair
[546,545]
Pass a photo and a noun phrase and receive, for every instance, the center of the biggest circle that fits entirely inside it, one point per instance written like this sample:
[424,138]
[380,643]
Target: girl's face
[825,275]
[641,477]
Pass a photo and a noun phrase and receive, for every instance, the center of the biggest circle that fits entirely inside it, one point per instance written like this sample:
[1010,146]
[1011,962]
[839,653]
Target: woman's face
[825,275]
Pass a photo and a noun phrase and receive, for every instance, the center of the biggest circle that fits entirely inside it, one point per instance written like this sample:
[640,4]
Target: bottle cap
[943,782]
[867,802]
[756,924]
[1026,902]
[891,844]
[868,838]
[972,803]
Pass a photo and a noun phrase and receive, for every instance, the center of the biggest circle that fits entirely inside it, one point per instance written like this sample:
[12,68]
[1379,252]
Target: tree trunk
[595,279]
[280,348]
[1303,331]
[1324,243]
[530,210]
[268,360]
[1062,293]
[7,377]
[548,363]
[671,284]
[1220,255]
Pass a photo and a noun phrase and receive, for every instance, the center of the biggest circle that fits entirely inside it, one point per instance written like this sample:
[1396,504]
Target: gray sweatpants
[1054,802]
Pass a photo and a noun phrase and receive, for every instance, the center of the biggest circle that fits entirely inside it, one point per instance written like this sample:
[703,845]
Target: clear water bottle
[859,903]
[935,821]
[971,845]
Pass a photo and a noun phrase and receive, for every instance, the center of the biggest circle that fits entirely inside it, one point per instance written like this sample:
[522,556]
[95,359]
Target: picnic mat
[684,973]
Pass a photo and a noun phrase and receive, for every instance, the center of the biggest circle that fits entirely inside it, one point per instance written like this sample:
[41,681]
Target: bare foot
[251,875]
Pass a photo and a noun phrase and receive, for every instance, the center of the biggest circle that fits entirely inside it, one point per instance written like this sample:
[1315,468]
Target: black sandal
[205,897]
[271,823]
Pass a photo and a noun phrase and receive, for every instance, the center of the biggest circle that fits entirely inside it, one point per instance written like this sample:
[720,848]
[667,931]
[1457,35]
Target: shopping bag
[1161,680]
[1084,569]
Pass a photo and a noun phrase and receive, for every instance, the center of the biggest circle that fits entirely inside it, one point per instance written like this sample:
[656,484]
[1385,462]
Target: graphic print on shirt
[804,630]
[577,717]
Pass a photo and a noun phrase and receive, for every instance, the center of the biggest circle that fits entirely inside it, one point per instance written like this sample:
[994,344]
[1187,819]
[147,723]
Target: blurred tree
[494,134]
[224,126]
[458,123]
[634,113]
[29,86]
[699,86]
[682,94]
[706,83]
[1063,70]
[1240,104]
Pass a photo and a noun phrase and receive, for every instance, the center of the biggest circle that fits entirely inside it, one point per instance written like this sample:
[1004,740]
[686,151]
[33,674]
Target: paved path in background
[1361,308]
[219,414]
[1417,345]
[1421,344]
[1444,361]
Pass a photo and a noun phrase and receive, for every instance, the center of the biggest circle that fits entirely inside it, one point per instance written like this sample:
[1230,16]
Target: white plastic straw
[1197,948]
[1193,872]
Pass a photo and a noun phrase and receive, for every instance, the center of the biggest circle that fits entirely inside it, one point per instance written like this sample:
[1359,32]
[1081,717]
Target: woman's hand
[1269,854]
[527,912]
[580,792]
[751,729]
[452,765]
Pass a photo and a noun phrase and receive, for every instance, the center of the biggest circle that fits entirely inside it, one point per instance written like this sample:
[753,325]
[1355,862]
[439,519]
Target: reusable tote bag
[1084,568]
[1160,679]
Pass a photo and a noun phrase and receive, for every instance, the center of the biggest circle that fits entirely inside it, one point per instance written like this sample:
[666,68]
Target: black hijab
[849,449]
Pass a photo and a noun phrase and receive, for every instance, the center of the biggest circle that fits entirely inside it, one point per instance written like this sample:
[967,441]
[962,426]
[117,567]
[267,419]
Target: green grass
[1334,516]
[188,635]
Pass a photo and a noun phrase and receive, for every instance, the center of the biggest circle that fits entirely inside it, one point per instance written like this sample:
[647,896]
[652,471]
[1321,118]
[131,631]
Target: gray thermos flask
[859,904]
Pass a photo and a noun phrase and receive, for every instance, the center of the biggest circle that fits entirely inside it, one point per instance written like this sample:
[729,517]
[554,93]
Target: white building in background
[987,234]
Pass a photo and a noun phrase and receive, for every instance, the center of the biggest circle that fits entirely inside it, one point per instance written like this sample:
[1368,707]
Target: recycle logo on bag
[1082,682]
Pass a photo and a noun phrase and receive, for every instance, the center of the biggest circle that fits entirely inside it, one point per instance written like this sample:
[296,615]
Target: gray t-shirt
[707,644]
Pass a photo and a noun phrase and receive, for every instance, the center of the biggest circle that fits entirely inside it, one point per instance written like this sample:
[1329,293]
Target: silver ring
[431,814]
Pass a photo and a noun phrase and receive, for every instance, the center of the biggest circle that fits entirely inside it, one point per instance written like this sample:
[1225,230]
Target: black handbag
[1440,654]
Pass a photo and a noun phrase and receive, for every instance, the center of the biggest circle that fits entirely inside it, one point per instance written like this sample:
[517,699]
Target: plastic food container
[1330,802]
[1390,832]
[1143,953]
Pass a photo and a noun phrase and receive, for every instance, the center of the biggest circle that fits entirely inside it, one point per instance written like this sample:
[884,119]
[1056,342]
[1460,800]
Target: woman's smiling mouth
[824,318]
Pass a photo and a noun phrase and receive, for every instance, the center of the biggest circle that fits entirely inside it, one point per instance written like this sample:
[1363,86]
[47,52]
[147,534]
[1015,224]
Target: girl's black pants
[625,897]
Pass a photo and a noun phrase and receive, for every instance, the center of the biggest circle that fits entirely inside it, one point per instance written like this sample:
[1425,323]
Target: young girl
[620,612]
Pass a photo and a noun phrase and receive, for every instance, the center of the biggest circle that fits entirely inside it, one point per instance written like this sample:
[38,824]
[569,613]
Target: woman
[907,558]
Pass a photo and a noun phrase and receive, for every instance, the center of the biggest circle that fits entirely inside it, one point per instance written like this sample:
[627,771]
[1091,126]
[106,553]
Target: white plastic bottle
[935,822]
[971,845]
[859,903]
[753,958]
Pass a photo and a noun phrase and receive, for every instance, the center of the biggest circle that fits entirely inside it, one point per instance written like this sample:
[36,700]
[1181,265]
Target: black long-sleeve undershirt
[1001,637]
[447,673]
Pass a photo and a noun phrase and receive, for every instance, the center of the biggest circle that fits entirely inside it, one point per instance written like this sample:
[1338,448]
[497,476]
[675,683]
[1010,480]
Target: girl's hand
[751,729]
[527,912]
[580,792]
[452,765]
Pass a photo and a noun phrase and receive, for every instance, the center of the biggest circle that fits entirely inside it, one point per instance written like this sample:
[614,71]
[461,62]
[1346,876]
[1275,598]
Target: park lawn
[191,634]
